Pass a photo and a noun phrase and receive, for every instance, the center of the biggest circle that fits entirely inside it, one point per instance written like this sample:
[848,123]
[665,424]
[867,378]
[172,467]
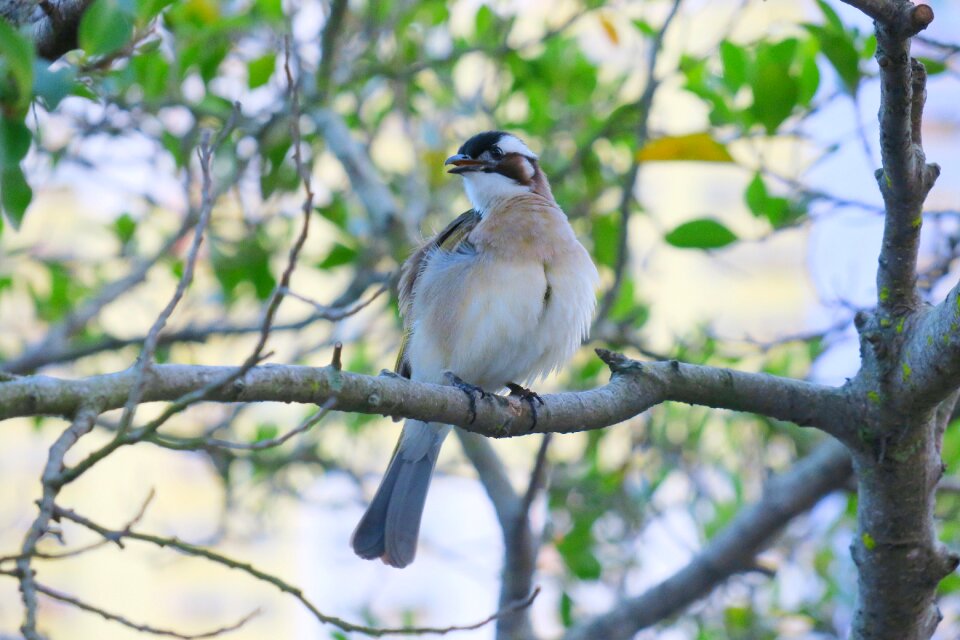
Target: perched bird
[503,295]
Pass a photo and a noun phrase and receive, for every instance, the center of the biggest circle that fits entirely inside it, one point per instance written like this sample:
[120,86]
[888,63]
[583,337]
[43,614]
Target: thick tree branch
[493,475]
[930,361]
[730,552]
[520,548]
[905,178]
[909,367]
[633,388]
[366,183]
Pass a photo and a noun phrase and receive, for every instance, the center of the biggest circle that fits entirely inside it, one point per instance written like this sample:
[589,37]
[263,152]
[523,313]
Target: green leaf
[832,18]
[335,212]
[626,309]
[246,263]
[152,71]
[52,86]
[809,79]
[576,549]
[775,89]
[124,228]
[271,9]
[16,57]
[14,141]
[756,195]
[645,28]
[106,27]
[260,70]
[566,610]
[703,233]
[932,66]
[605,237]
[148,9]
[775,209]
[15,194]
[339,255]
[839,48]
[699,147]
[735,63]
[484,22]
[62,292]
[266,432]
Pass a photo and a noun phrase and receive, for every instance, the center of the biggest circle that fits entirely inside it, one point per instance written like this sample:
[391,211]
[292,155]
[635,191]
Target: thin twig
[137,626]
[537,475]
[339,313]
[90,547]
[52,481]
[281,585]
[643,106]
[191,444]
[205,155]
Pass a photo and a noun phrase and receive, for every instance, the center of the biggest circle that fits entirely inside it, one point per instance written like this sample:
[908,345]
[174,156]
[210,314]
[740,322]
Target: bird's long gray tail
[391,524]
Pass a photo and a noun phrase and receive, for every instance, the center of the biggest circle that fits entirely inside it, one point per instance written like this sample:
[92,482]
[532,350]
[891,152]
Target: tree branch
[633,388]
[52,482]
[137,626]
[908,367]
[907,19]
[520,549]
[906,178]
[366,183]
[643,106]
[929,365]
[731,551]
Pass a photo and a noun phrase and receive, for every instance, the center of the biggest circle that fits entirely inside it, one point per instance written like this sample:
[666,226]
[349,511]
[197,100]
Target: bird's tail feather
[391,524]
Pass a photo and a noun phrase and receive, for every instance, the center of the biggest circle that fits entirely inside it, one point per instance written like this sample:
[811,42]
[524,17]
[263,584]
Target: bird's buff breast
[488,318]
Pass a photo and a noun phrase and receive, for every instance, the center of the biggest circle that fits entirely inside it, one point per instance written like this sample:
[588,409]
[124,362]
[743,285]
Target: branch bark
[634,387]
[909,372]
[520,551]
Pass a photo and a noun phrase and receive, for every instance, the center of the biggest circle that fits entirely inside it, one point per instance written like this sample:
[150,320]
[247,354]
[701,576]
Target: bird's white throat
[486,191]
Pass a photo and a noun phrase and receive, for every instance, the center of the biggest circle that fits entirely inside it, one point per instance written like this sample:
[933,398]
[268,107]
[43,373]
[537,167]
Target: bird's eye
[496,153]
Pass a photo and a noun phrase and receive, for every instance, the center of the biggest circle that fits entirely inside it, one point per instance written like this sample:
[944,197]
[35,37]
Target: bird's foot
[529,396]
[471,390]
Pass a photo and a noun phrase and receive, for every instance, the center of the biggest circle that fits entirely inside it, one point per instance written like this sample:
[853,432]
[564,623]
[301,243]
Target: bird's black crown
[480,143]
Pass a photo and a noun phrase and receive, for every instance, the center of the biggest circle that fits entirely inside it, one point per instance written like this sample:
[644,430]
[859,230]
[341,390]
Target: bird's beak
[463,163]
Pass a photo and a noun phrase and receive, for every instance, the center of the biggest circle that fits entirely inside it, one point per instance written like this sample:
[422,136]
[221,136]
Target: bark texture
[907,384]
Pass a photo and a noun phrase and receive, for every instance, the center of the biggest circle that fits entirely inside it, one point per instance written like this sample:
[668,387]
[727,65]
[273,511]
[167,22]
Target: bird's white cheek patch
[485,190]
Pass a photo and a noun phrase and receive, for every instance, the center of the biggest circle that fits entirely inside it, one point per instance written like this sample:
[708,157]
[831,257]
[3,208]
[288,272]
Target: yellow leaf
[206,11]
[609,29]
[695,147]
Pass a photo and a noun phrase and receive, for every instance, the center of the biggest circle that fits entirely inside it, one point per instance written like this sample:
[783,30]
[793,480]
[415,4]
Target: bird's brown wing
[450,239]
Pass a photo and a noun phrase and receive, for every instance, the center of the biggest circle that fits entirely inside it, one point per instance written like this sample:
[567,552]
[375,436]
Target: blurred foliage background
[719,170]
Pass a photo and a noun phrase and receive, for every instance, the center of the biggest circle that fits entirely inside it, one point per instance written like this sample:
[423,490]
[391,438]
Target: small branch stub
[336,361]
[618,362]
[920,17]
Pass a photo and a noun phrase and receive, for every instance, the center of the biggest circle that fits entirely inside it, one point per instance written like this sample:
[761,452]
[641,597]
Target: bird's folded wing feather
[450,239]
